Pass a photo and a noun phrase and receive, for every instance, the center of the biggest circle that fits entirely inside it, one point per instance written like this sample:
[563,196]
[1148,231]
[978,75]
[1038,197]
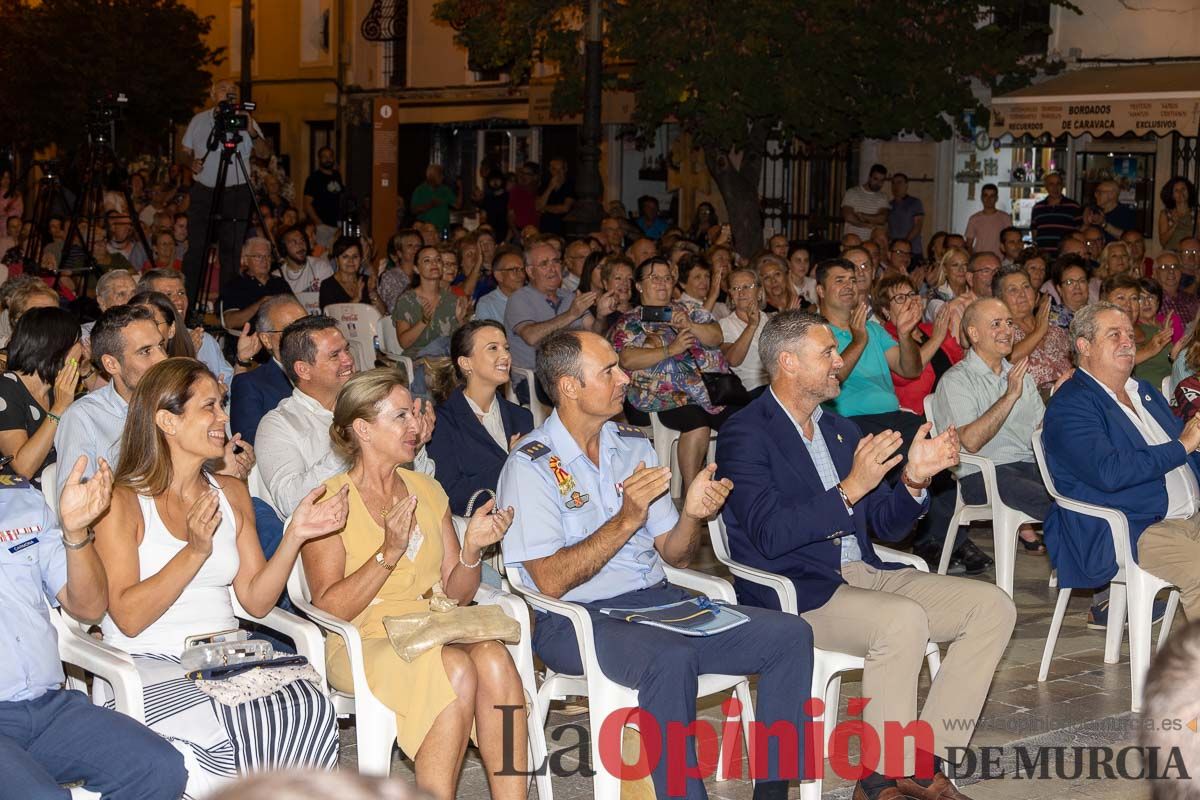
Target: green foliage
[61,55]
[825,71]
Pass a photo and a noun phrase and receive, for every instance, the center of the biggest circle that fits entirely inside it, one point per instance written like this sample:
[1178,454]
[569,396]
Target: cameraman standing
[236,201]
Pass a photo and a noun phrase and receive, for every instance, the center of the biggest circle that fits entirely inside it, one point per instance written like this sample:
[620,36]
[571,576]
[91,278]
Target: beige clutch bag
[446,623]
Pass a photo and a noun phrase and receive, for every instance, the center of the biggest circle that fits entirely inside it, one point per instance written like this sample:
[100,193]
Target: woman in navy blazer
[476,426]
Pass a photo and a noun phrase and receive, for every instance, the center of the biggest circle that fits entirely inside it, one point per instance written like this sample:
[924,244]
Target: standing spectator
[347,284]
[649,223]
[323,197]
[43,373]
[241,299]
[742,328]
[1055,215]
[493,199]
[235,213]
[303,272]
[866,206]
[557,198]
[907,214]
[12,203]
[522,200]
[509,272]
[1110,215]
[1177,219]
[984,226]
[433,200]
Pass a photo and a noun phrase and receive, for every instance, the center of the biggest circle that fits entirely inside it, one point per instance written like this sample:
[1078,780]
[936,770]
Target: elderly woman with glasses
[742,328]
[938,341]
[667,347]
[1047,346]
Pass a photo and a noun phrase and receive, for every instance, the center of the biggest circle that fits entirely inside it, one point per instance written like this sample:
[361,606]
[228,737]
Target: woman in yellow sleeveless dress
[397,544]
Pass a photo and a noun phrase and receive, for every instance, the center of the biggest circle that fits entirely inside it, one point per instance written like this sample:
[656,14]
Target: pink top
[983,231]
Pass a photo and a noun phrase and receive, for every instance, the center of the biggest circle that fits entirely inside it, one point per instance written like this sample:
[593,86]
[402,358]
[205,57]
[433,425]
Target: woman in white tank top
[174,542]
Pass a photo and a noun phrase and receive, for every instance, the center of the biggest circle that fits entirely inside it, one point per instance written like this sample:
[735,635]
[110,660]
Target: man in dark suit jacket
[1112,440]
[252,394]
[808,492]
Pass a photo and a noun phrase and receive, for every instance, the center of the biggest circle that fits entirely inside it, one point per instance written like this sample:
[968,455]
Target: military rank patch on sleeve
[630,431]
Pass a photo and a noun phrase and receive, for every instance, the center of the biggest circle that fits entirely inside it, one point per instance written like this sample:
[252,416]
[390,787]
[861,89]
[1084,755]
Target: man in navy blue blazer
[252,394]
[809,490]
[1112,440]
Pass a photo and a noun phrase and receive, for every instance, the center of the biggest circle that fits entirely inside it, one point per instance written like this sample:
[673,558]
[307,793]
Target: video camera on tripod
[230,119]
[103,116]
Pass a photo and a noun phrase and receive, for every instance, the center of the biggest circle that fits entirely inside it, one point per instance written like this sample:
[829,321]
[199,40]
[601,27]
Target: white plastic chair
[828,665]
[389,345]
[666,447]
[1006,521]
[1131,584]
[1166,389]
[358,323]
[606,697]
[540,411]
[115,666]
[375,723]
[50,487]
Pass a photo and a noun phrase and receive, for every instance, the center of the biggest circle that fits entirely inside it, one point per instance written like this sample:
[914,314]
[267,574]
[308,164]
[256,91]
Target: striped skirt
[294,727]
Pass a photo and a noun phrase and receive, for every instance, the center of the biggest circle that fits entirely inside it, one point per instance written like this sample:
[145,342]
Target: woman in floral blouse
[665,361]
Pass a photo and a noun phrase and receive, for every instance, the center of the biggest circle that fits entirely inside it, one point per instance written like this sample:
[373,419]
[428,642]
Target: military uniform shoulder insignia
[534,450]
[13,482]
[626,431]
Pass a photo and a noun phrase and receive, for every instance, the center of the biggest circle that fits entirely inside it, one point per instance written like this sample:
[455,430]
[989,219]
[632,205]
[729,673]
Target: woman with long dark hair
[43,372]
[175,334]
[476,427]
[1177,219]
[175,540]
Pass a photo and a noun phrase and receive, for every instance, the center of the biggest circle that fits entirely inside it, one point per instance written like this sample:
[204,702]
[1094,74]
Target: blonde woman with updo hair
[397,543]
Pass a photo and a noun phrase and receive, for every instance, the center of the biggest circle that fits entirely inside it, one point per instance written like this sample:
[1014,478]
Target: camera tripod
[86,214]
[199,294]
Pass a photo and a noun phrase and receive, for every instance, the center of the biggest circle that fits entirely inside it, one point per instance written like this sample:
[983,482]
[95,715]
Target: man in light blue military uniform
[50,735]
[594,524]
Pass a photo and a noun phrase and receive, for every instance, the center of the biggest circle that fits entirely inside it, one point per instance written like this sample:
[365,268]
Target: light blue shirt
[491,306]
[211,356]
[33,570]
[195,138]
[554,510]
[818,451]
[91,426]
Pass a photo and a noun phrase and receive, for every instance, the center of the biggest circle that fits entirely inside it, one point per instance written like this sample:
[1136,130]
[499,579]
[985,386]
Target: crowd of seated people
[197,464]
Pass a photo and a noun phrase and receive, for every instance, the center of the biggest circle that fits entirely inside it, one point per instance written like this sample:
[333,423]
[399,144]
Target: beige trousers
[1171,550]
[889,617]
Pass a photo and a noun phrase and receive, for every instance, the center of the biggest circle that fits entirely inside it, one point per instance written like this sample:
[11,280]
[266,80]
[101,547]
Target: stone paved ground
[1084,701]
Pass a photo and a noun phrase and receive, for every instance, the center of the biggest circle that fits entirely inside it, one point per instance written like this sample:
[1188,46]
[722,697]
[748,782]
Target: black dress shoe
[973,559]
[933,557]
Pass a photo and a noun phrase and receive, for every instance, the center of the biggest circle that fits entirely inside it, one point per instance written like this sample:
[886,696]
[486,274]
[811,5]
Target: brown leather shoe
[940,789]
[890,793]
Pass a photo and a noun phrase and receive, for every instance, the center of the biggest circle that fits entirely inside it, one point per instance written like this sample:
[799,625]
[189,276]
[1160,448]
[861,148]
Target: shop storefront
[1136,125]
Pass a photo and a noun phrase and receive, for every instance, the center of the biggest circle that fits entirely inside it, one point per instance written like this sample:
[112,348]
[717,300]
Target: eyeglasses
[506,269]
[1069,282]
[1165,267]
[987,271]
[658,278]
[254,257]
[555,263]
[745,287]
[904,297]
[901,252]
[1190,252]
